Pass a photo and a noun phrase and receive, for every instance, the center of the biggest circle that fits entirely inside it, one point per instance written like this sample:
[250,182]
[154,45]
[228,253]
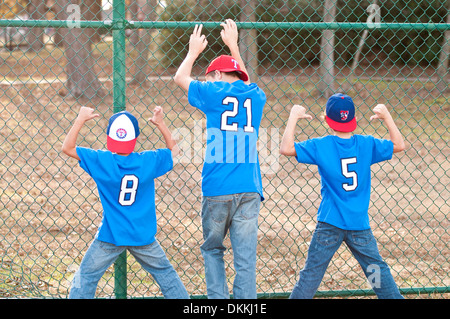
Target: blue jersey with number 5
[127,192]
[344,167]
[233,116]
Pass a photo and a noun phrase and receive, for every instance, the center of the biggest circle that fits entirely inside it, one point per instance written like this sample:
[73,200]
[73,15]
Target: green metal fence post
[120,276]
[119,87]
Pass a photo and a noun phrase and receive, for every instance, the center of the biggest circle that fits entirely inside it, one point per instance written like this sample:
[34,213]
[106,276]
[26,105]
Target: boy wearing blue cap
[125,182]
[343,161]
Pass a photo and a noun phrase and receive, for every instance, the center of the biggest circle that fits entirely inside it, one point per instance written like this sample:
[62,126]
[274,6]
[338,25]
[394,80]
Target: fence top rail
[121,24]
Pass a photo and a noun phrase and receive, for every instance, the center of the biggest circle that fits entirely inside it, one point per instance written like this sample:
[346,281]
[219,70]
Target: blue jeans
[101,255]
[325,242]
[238,214]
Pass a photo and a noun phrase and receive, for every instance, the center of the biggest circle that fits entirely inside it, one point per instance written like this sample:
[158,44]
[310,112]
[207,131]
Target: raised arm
[382,113]
[158,121]
[197,43]
[287,143]
[230,36]
[69,146]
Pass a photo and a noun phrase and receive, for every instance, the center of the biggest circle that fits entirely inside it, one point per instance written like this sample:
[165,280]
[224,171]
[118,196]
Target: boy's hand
[381,112]
[69,146]
[158,120]
[287,146]
[229,33]
[230,37]
[299,112]
[158,116]
[197,42]
[86,114]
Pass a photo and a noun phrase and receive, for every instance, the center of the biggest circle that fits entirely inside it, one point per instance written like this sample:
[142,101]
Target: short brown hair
[233,73]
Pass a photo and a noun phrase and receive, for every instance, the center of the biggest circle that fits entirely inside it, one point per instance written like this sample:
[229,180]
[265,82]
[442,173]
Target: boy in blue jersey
[125,182]
[231,177]
[343,162]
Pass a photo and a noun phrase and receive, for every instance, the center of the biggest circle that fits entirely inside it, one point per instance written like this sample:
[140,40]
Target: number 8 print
[128,189]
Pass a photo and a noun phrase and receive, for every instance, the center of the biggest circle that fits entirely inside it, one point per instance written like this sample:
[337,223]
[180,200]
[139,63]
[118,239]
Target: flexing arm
[382,113]
[287,143]
[197,43]
[158,121]
[230,37]
[69,146]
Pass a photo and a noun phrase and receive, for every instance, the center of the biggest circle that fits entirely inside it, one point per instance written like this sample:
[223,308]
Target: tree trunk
[58,37]
[349,80]
[442,70]
[141,66]
[92,11]
[82,80]
[247,44]
[35,37]
[134,9]
[326,84]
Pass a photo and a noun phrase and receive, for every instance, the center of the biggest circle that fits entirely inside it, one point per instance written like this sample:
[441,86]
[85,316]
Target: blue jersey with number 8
[344,167]
[233,116]
[127,192]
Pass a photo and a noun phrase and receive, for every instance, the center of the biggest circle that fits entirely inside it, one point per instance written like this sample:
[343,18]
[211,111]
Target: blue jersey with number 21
[127,192]
[344,167]
[233,116]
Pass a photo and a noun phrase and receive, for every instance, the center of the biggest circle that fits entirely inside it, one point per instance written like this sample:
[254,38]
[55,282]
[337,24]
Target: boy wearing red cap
[343,161]
[125,183]
[231,177]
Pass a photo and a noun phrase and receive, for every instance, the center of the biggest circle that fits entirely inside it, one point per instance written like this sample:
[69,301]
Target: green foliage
[284,48]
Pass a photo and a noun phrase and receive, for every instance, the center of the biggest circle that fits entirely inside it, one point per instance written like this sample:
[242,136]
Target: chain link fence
[112,55]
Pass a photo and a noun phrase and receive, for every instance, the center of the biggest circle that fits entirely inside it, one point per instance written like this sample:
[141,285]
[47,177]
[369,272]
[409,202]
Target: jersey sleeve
[306,151]
[163,161]
[382,150]
[197,94]
[88,158]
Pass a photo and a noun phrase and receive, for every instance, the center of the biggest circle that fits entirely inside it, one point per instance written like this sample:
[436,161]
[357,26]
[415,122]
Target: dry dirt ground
[50,208]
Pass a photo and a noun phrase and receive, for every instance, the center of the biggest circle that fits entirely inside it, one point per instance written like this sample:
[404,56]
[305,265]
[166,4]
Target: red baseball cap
[226,63]
[122,132]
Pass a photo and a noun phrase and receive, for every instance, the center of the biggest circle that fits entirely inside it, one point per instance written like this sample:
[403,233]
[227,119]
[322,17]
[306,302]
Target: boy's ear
[215,75]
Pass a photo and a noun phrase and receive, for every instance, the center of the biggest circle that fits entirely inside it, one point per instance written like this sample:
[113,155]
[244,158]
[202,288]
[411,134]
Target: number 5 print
[349,174]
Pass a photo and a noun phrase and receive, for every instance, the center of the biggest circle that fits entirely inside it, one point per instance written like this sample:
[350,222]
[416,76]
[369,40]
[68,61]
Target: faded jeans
[238,214]
[325,242]
[101,255]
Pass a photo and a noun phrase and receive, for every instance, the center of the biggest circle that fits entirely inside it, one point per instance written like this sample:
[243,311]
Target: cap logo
[344,115]
[121,133]
[235,63]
